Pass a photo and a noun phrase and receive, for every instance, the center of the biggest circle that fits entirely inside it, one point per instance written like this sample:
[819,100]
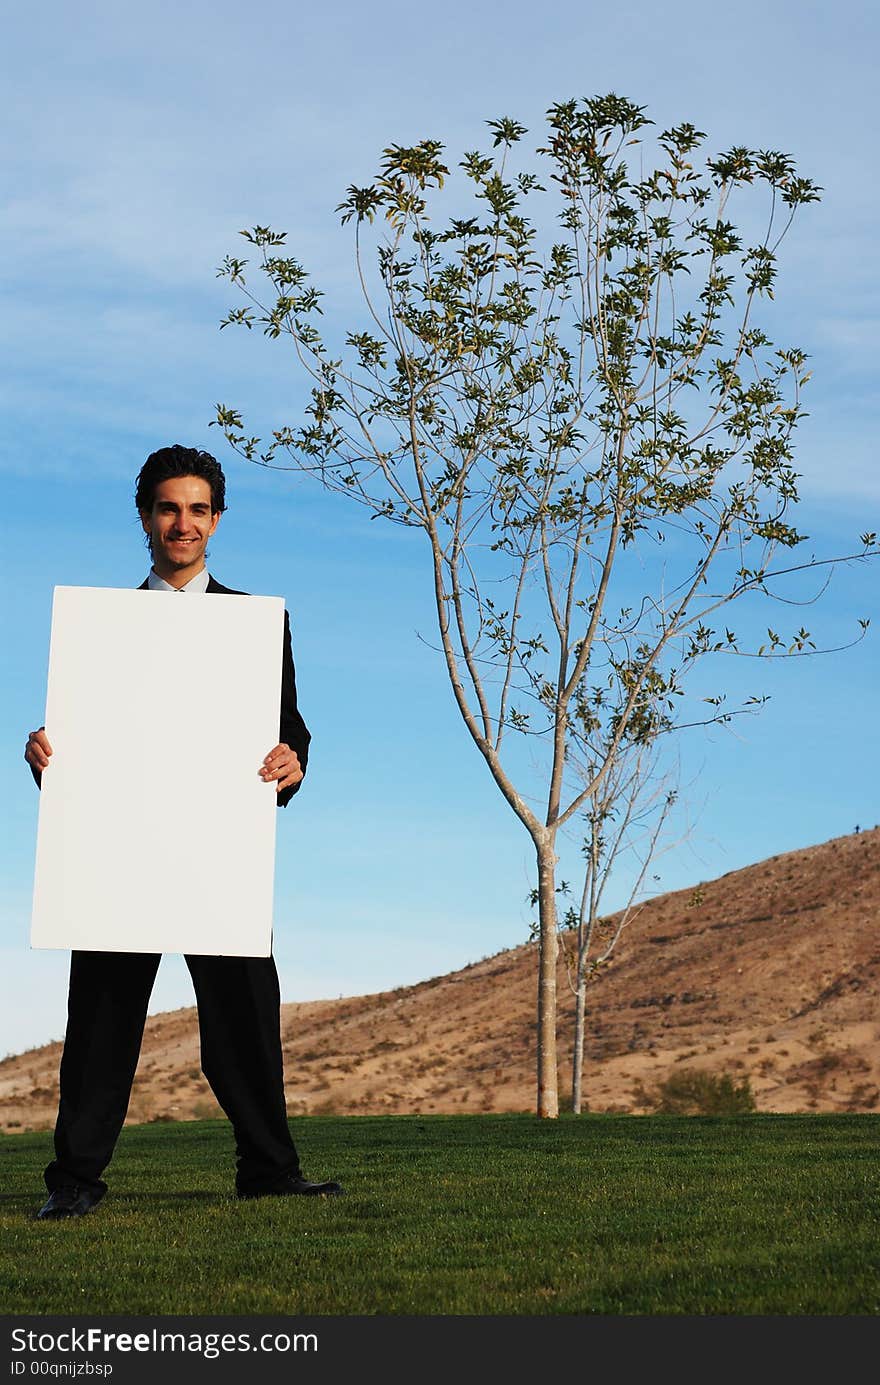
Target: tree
[624,816]
[581,415]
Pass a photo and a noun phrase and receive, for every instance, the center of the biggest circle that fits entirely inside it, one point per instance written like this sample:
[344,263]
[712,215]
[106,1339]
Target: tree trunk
[548,944]
[577,1065]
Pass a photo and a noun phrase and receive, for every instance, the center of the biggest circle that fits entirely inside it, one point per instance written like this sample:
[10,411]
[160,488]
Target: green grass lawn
[467,1215]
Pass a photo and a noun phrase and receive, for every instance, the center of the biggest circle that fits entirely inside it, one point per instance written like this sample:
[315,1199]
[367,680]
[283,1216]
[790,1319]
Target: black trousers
[240,1035]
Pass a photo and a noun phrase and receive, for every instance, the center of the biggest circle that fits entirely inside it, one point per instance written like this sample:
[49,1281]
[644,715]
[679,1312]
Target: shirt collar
[199,583]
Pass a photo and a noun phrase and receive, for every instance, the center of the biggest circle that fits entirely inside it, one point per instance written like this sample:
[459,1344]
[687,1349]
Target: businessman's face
[179,525]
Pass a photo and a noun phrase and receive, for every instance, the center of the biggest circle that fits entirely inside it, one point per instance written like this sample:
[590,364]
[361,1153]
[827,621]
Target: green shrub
[695,1092]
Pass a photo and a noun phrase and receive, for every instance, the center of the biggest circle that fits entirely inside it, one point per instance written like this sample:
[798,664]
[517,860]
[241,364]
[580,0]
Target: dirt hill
[771,972]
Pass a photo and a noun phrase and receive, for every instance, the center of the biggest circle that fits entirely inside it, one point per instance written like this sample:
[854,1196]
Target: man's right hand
[37,750]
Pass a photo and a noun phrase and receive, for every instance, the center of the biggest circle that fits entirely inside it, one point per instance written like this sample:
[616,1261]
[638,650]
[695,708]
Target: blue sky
[138,144]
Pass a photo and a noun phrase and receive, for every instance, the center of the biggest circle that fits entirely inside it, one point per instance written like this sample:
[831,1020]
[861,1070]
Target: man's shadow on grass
[120,1202]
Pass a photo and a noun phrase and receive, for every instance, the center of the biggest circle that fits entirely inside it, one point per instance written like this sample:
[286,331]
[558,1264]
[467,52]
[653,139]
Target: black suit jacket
[292,729]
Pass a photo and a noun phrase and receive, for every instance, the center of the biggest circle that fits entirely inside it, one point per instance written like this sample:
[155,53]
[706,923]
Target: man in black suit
[180,496]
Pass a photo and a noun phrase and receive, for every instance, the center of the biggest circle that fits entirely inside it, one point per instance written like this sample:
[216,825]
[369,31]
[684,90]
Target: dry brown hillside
[772,971]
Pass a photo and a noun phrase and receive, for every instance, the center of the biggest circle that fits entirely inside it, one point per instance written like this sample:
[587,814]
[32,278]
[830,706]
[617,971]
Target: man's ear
[215,520]
[146,521]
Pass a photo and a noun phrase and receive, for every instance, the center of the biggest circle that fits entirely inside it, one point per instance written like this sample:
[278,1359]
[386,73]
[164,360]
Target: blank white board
[155,832]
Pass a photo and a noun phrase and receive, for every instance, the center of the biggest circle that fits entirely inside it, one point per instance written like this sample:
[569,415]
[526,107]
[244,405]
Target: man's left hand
[281,764]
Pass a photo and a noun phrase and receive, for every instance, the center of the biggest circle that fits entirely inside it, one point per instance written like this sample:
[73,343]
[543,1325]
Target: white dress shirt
[199,583]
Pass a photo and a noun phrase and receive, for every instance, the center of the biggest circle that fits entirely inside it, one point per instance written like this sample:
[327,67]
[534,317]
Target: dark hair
[179,461]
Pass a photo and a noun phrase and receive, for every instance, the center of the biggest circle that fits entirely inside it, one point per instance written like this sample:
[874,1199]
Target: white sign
[156,833]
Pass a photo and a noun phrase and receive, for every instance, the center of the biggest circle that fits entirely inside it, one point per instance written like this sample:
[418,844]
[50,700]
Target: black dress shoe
[69,1201]
[292,1186]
